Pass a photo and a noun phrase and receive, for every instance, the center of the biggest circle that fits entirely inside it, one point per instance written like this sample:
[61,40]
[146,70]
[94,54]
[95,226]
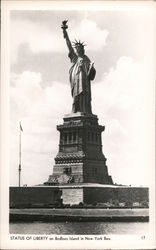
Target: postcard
[77,125]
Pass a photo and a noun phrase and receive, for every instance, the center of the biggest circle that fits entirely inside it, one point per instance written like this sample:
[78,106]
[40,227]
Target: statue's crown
[78,43]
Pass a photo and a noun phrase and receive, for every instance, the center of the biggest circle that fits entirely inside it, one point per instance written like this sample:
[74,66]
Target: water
[71,228]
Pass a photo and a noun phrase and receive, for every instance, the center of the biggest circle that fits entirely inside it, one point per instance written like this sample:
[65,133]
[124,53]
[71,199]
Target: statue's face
[79,50]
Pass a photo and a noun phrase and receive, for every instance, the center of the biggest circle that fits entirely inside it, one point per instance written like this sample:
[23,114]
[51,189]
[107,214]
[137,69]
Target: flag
[21,127]
[19,167]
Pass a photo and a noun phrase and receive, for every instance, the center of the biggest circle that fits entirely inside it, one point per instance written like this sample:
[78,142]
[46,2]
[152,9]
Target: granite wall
[115,194]
[74,195]
[29,196]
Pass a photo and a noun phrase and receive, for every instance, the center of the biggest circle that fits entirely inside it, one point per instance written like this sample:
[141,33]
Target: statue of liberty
[81,73]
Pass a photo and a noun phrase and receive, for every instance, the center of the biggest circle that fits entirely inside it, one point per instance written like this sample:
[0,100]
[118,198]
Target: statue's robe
[80,76]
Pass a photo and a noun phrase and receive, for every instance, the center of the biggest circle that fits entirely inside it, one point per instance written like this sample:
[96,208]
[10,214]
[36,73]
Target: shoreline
[79,215]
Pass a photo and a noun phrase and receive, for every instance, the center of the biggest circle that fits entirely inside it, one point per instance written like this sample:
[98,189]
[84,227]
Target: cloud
[124,102]
[89,32]
[38,101]
[41,38]
[37,36]
[25,89]
[40,110]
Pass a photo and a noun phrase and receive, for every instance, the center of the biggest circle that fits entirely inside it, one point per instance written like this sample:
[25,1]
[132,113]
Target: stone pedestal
[80,158]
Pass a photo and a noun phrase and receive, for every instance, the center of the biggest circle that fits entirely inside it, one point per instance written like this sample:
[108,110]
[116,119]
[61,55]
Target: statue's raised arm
[65,35]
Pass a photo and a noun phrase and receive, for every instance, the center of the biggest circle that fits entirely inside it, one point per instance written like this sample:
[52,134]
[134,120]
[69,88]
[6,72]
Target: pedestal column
[80,158]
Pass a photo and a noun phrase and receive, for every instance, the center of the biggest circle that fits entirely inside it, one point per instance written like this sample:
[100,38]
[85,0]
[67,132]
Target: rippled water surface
[80,228]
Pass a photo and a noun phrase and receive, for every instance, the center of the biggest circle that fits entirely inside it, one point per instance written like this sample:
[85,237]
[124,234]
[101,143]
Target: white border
[117,242]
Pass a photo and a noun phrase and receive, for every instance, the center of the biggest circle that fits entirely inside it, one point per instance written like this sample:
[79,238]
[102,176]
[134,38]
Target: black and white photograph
[78,108]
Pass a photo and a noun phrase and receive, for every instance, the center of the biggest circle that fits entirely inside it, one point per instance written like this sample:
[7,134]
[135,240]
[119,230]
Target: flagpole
[19,183]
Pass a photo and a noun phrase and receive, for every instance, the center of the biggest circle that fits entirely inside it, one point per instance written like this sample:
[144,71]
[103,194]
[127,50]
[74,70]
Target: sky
[121,45]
